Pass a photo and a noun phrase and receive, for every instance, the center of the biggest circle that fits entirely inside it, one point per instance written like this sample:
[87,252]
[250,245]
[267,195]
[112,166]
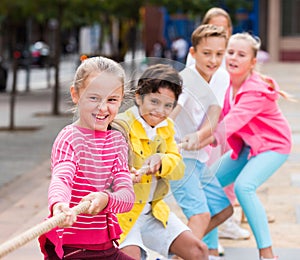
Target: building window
[290,17]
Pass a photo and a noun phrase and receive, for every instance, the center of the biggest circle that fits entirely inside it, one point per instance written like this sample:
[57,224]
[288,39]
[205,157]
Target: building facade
[279,28]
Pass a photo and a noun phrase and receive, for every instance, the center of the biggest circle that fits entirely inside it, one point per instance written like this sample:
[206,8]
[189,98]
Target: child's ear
[74,94]
[138,99]
[192,51]
[254,60]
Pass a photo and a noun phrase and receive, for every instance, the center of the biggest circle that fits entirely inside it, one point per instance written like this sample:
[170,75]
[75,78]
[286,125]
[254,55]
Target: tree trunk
[13,92]
[57,53]
[13,95]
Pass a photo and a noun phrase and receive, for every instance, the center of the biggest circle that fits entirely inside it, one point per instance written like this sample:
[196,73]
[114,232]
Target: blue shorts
[199,191]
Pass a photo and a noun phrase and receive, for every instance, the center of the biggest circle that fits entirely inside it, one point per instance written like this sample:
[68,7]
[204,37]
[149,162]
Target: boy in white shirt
[199,194]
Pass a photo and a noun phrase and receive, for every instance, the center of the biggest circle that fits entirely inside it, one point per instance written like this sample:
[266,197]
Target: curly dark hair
[159,76]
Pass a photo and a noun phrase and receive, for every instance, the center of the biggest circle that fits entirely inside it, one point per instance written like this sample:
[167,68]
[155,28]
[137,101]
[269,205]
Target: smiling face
[156,107]
[99,102]
[240,60]
[208,55]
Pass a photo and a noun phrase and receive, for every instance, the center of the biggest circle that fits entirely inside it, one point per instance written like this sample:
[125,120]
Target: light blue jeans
[248,175]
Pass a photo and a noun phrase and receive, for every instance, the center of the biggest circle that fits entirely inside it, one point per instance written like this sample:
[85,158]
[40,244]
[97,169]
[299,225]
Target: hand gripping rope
[47,225]
[39,229]
[140,172]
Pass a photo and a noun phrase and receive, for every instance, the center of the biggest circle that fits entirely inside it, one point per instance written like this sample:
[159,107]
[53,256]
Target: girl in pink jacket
[257,132]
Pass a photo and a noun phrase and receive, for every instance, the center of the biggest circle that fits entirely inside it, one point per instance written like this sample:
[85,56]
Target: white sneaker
[213,257]
[275,258]
[221,250]
[231,230]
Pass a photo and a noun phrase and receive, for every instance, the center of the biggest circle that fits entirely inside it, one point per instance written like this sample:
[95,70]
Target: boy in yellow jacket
[150,224]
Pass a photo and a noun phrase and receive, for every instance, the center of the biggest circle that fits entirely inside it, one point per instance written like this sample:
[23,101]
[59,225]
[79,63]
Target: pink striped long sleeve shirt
[85,161]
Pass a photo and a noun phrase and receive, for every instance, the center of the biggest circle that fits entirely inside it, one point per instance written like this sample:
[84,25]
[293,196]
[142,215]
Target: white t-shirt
[196,97]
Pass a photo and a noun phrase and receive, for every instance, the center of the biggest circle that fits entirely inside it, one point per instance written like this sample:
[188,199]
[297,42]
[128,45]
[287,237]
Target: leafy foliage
[82,12]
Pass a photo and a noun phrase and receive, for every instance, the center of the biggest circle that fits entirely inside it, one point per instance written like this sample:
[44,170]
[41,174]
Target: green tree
[67,13]
[13,14]
[77,13]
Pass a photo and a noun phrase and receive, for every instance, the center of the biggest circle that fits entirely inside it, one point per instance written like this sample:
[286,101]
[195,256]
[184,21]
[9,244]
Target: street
[41,78]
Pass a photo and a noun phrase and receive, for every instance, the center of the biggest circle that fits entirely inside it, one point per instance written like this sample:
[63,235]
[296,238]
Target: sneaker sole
[233,238]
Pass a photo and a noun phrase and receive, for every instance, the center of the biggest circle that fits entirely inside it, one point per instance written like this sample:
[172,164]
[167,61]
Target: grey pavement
[25,168]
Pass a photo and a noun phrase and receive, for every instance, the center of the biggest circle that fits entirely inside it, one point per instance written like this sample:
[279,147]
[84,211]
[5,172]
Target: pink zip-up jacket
[254,118]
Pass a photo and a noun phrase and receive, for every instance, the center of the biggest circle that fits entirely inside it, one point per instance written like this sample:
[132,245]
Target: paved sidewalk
[24,172]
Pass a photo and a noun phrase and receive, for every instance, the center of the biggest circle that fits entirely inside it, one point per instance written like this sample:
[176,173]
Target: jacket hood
[261,84]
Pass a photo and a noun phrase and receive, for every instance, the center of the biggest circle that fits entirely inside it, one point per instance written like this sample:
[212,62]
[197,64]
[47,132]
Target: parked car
[40,53]
[37,55]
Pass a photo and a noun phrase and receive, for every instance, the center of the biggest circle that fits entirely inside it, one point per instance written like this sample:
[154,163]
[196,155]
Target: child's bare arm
[204,136]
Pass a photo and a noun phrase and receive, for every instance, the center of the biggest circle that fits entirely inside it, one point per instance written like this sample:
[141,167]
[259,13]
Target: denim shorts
[199,191]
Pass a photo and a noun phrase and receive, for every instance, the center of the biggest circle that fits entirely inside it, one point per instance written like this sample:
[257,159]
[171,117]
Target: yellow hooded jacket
[172,169]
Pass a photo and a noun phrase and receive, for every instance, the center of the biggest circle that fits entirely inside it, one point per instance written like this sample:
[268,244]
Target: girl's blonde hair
[97,64]
[255,43]
[123,127]
[214,12]
[94,65]
[102,64]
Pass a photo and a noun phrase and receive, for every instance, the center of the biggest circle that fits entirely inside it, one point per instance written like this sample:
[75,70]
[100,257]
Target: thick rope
[39,229]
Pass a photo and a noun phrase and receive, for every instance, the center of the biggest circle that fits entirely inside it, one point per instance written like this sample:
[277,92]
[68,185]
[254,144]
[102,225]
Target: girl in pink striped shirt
[89,162]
